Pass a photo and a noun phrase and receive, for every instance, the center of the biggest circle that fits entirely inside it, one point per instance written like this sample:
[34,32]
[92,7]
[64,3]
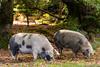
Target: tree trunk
[6,20]
[27,20]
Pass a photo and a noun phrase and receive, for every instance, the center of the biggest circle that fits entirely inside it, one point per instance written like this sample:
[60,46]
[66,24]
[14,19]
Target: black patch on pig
[45,55]
[14,47]
[85,53]
[48,57]
[28,46]
[19,46]
[43,49]
[23,42]
[15,50]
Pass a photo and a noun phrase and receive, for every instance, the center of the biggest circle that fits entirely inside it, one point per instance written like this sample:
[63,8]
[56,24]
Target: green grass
[96,44]
[42,63]
[67,65]
[98,39]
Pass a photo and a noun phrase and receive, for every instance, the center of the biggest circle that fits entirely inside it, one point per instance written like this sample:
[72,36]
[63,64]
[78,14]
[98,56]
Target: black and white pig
[73,40]
[36,44]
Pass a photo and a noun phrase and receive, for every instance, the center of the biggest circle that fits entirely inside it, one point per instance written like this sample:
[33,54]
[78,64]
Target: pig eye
[87,50]
[83,53]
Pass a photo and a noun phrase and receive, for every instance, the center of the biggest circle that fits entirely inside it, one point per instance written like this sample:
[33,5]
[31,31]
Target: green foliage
[96,44]
[90,15]
[3,45]
[42,31]
[20,6]
[3,42]
[6,20]
[6,12]
[73,24]
[93,16]
[87,13]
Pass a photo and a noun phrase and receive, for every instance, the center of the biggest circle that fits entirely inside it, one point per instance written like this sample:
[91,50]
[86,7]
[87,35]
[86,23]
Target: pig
[73,40]
[33,43]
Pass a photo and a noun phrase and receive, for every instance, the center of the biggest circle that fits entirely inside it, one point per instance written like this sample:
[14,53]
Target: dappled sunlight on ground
[24,23]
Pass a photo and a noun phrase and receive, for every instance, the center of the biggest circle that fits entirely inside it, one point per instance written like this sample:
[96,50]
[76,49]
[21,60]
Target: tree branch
[45,11]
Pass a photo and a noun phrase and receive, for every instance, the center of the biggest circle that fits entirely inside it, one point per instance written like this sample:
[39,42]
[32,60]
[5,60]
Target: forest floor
[5,58]
[27,59]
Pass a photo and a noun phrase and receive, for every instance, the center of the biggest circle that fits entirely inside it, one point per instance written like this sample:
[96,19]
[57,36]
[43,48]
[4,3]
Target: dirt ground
[67,55]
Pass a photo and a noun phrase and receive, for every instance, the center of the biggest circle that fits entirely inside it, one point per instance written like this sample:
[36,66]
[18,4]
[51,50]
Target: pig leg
[13,56]
[35,54]
[60,51]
